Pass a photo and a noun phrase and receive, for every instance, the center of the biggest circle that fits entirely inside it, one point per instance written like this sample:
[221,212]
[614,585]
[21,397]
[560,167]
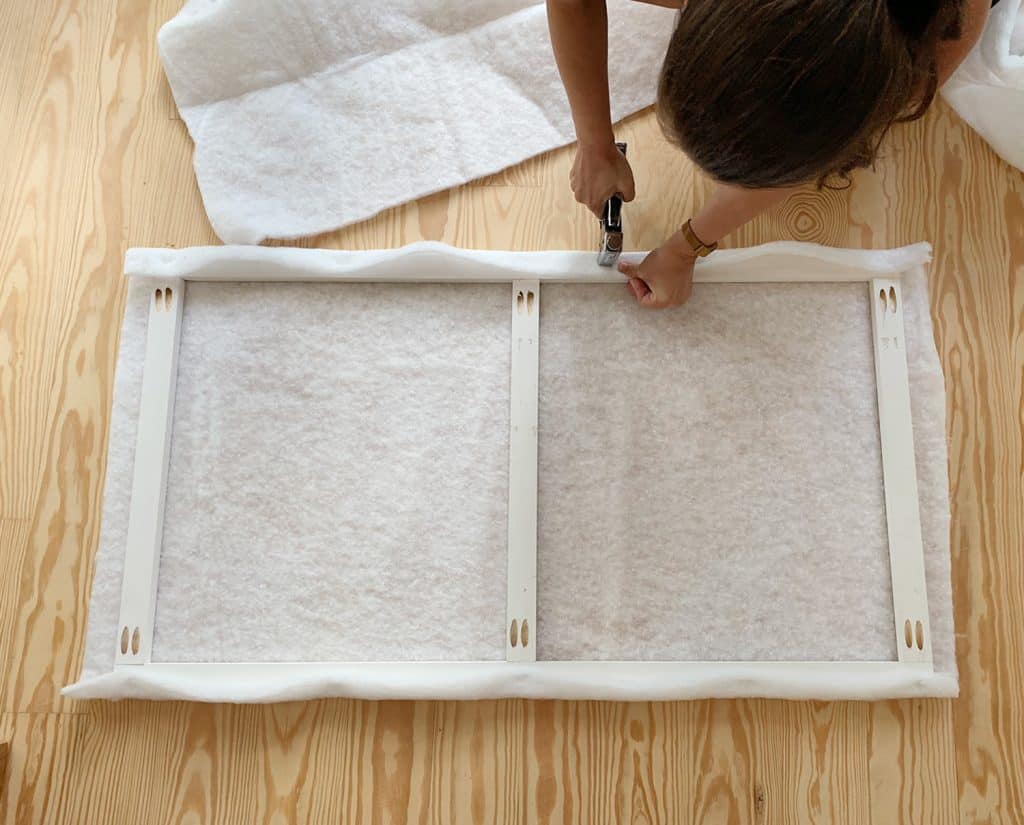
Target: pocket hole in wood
[159,298]
[124,640]
[136,640]
[513,633]
[919,635]
[167,298]
[524,634]
[908,633]
[520,302]
[892,299]
[530,297]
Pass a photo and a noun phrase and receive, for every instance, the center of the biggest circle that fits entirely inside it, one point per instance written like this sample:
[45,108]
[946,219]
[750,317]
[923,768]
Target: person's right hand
[600,171]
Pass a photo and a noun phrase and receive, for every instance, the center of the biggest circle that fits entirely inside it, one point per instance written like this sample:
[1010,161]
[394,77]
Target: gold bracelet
[698,246]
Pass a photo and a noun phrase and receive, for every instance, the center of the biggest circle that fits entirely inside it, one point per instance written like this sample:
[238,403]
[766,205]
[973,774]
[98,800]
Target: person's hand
[600,171]
[665,277]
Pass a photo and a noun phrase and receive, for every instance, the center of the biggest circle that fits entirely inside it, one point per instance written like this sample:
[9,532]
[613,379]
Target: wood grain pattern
[96,160]
[912,762]
[43,746]
[13,549]
[324,761]
[5,756]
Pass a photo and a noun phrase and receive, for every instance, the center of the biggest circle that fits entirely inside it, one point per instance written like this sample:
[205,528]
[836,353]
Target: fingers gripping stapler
[611,227]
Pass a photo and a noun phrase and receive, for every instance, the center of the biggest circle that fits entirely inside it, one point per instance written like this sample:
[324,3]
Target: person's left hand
[665,277]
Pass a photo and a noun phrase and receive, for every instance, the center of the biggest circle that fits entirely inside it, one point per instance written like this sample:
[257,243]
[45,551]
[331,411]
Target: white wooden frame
[381,679]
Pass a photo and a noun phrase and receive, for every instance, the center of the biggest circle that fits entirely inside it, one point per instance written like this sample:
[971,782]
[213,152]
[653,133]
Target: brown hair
[766,93]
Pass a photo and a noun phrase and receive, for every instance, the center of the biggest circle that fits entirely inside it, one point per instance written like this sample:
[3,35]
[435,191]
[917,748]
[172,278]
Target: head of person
[773,93]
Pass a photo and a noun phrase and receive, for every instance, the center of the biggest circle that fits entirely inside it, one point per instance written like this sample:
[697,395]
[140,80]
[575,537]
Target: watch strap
[696,244]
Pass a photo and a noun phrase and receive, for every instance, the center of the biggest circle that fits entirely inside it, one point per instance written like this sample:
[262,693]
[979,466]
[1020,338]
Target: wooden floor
[95,160]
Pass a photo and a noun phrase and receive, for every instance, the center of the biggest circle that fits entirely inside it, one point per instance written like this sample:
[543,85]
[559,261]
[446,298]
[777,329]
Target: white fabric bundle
[311,114]
[987,90]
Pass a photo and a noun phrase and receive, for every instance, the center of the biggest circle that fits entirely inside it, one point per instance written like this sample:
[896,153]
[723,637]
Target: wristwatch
[698,246]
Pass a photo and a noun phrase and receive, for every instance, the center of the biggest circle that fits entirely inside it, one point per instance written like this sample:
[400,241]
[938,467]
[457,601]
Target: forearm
[579,37]
[665,277]
[729,207]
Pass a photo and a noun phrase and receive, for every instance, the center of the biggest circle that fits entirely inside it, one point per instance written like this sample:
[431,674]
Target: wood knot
[815,216]
[760,800]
